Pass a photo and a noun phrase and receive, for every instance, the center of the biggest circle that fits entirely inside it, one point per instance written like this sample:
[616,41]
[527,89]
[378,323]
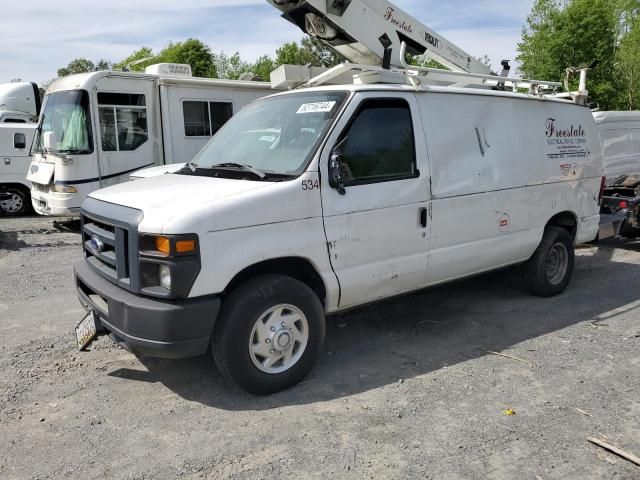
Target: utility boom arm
[364,30]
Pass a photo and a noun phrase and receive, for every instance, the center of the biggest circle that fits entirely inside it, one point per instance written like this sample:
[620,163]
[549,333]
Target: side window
[19,141]
[123,121]
[204,119]
[380,144]
[196,119]
[220,114]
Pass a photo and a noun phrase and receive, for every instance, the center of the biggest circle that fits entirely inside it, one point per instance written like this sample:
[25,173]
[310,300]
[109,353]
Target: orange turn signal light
[185,246]
[163,245]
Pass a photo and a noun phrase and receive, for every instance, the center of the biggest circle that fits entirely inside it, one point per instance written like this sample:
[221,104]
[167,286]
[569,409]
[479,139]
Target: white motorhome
[620,137]
[326,198]
[98,128]
[19,109]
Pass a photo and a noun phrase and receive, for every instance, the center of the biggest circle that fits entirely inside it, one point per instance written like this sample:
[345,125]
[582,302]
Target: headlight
[64,189]
[165,277]
[169,264]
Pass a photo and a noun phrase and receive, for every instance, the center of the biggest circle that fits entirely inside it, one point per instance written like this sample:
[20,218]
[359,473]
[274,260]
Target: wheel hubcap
[557,263]
[279,339]
[13,205]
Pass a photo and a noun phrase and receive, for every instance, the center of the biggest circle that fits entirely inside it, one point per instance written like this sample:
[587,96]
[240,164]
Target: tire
[549,271]
[19,204]
[265,312]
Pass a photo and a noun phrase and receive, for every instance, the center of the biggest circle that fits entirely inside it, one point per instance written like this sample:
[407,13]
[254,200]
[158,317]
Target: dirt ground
[405,389]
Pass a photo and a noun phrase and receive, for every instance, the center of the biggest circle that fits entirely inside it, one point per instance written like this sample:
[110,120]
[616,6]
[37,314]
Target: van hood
[155,171]
[164,197]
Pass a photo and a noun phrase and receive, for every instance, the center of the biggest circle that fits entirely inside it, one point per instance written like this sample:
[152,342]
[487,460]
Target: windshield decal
[318,107]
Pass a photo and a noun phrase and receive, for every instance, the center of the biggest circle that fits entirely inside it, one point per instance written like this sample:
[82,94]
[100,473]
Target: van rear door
[378,231]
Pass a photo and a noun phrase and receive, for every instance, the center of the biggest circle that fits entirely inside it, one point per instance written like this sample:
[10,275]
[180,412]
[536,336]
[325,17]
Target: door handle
[423,217]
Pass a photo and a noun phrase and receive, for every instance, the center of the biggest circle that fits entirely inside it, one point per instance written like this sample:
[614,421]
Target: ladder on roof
[417,76]
[370,32]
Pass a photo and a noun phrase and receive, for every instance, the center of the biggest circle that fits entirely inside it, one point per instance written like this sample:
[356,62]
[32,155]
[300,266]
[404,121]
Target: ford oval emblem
[34,168]
[96,245]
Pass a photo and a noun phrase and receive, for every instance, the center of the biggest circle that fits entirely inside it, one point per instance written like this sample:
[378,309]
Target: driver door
[378,230]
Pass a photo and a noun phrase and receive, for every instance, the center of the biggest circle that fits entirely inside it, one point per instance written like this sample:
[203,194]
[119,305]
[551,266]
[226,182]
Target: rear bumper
[154,328]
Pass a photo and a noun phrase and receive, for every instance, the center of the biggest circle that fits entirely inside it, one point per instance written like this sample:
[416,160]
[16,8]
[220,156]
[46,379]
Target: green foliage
[574,33]
[231,67]
[192,52]
[628,68]
[82,65]
[137,61]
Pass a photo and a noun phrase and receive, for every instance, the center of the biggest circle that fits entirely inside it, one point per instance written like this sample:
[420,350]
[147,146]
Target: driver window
[380,143]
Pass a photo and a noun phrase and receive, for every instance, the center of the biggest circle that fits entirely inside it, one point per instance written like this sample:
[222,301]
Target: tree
[192,52]
[573,33]
[322,54]
[137,61]
[231,67]
[79,65]
[628,68]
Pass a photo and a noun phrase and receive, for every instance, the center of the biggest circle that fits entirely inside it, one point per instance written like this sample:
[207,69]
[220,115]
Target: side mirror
[336,169]
[19,141]
[49,142]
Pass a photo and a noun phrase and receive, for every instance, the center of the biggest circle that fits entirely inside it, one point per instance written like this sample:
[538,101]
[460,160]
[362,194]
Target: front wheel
[17,204]
[269,335]
[549,271]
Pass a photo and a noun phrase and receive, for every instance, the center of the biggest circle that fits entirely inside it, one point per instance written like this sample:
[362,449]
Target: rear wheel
[269,335]
[17,204]
[549,271]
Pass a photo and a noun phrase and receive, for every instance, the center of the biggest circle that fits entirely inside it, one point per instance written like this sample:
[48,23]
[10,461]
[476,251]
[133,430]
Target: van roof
[616,117]
[388,87]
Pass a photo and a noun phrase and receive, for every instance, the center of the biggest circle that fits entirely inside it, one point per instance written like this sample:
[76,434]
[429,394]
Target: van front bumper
[149,327]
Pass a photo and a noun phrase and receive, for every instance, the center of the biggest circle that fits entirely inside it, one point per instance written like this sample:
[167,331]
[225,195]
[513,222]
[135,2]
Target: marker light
[165,277]
[185,246]
[64,189]
[163,245]
[624,205]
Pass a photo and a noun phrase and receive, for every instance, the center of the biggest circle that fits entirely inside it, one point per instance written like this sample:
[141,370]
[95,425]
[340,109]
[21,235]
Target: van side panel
[14,162]
[500,171]
[620,147]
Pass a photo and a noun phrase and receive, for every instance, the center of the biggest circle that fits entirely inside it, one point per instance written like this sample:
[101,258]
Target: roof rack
[417,76]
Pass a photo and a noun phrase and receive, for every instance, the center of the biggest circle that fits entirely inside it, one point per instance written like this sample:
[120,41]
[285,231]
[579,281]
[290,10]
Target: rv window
[380,143]
[123,121]
[220,114]
[196,119]
[19,141]
[204,119]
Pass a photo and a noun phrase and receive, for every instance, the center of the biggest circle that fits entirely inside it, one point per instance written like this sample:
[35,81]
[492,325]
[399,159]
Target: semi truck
[19,110]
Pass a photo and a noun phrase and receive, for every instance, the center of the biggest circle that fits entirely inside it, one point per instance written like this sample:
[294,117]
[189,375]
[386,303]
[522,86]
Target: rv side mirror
[336,169]
[49,142]
[19,141]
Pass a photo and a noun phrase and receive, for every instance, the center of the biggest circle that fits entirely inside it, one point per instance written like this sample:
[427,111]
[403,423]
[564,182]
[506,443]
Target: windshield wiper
[239,166]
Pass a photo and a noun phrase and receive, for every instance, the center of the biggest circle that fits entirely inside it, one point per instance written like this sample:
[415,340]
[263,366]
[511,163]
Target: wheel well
[566,220]
[6,186]
[295,267]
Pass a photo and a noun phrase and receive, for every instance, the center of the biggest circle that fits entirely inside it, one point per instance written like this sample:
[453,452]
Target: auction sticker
[319,107]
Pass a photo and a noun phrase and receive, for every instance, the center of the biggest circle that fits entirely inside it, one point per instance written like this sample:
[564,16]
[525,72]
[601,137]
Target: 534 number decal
[310,185]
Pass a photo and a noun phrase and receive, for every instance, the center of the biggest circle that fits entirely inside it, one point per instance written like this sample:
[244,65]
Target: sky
[40,36]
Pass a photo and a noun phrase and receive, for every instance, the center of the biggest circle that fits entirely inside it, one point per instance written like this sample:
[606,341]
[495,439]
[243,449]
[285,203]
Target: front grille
[106,250]
[40,188]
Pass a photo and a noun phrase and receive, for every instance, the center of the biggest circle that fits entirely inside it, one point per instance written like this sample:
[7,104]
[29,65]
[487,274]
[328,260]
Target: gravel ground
[405,389]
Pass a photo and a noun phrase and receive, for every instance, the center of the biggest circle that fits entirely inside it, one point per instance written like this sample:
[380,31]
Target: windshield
[66,116]
[276,135]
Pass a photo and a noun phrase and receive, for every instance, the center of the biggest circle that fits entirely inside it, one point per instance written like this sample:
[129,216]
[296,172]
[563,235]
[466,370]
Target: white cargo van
[620,137]
[315,201]
[98,128]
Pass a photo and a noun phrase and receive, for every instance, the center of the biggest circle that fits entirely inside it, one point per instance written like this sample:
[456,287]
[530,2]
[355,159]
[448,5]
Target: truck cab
[319,200]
